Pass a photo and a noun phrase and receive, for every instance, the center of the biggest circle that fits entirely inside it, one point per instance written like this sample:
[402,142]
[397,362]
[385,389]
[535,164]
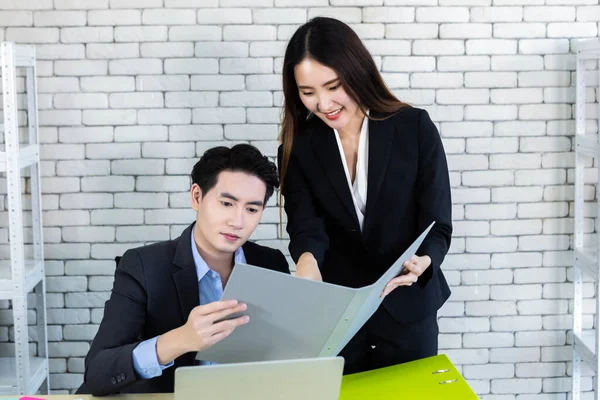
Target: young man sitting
[166,296]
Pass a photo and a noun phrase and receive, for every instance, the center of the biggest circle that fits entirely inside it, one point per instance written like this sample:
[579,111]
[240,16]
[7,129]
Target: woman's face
[322,93]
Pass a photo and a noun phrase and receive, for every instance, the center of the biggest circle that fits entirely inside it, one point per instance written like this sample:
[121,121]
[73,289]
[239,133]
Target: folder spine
[332,344]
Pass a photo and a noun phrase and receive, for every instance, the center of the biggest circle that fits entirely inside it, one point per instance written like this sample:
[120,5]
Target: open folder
[292,317]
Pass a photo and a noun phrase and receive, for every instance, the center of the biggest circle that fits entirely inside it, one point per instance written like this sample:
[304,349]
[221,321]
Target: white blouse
[358,189]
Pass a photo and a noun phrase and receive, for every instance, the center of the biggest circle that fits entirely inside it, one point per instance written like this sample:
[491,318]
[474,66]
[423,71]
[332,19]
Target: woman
[363,174]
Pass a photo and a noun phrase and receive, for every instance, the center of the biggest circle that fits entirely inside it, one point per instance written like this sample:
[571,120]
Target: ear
[195,195]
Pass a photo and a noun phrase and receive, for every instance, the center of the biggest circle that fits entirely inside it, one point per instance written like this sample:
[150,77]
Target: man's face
[228,214]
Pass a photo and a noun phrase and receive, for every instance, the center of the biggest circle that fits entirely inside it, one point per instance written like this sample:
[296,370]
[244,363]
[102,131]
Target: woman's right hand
[307,267]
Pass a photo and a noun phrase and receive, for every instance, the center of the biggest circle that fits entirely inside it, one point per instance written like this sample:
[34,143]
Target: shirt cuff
[145,359]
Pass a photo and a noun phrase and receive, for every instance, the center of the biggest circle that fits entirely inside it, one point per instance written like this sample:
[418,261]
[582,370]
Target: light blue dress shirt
[145,359]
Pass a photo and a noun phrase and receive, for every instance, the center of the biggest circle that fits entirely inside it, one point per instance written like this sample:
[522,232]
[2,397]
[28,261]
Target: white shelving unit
[585,342]
[22,374]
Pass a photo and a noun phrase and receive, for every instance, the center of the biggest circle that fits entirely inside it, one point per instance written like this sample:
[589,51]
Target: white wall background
[131,92]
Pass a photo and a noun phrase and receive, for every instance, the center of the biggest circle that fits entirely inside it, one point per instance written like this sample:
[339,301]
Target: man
[165,296]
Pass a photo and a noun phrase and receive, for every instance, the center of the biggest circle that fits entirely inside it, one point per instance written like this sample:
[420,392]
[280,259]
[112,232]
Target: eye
[226,203]
[252,210]
[307,93]
[334,87]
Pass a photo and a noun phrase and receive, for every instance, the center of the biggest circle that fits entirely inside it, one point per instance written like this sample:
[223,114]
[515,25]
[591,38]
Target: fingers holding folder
[413,269]
[206,326]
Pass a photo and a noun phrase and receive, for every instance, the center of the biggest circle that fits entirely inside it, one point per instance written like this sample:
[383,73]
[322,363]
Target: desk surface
[156,396]
[433,377]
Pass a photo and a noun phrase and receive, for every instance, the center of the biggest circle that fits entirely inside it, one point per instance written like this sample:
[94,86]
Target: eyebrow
[325,84]
[232,197]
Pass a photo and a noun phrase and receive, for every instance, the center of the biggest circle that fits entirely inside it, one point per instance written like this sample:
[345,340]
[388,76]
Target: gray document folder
[292,317]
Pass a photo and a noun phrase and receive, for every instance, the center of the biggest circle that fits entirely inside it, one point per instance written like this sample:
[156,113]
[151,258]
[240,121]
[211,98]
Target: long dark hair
[335,45]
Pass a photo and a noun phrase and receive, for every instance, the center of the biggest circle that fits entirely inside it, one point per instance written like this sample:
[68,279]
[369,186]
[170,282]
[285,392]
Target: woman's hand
[307,267]
[413,269]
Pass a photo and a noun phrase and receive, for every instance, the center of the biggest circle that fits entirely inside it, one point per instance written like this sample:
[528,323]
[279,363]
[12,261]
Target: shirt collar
[202,267]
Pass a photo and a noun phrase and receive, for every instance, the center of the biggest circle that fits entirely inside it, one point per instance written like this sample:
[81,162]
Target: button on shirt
[145,359]
[358,189]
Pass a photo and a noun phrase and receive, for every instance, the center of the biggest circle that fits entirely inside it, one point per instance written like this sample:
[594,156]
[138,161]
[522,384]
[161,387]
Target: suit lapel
[186,278]
[381,135]
[328,154]
[251,255]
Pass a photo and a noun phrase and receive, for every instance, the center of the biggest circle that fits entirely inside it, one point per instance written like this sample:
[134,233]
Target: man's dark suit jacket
[407,188]
[155,289]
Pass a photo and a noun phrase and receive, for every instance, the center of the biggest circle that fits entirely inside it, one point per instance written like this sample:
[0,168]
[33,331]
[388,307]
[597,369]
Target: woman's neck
[354,126]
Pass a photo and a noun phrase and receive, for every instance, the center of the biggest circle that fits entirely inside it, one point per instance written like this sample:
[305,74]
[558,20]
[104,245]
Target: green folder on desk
[430,378]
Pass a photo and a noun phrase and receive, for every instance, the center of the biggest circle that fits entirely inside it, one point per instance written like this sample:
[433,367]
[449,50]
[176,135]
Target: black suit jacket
[154,290]
[408,187]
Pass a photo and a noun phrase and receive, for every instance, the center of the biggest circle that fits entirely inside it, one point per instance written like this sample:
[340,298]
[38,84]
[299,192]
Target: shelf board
[586,258]
[34,273]
[585,347]
[586,45]
[8,375]
[587,145]
[24,55]
[28,155]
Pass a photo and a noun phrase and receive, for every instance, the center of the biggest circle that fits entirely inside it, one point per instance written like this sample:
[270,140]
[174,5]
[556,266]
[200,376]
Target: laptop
[301,379]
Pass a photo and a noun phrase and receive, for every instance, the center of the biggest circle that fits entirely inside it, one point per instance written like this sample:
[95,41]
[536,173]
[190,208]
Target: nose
[325,103]
[236,218]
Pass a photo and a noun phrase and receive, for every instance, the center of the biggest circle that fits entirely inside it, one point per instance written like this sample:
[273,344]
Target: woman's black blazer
[408,188]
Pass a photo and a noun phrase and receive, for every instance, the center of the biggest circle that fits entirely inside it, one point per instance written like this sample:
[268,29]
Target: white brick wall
[132,92]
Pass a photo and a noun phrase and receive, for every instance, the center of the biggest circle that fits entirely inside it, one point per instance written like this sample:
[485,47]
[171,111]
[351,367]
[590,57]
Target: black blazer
[154,290]
[408,187]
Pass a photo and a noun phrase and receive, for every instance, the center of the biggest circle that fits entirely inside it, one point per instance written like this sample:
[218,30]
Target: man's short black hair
[239,158]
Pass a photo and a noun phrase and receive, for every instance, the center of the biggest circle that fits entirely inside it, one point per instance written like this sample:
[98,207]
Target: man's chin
[227,246]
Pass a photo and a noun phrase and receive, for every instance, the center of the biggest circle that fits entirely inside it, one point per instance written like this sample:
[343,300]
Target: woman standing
[363,174]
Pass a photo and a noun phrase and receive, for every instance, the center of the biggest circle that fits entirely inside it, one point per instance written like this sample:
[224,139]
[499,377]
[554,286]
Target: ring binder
[448,381]
[430,378]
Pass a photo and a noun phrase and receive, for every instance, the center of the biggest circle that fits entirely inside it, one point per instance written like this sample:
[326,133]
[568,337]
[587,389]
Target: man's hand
[308,268]
[201,331]
[413,269]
